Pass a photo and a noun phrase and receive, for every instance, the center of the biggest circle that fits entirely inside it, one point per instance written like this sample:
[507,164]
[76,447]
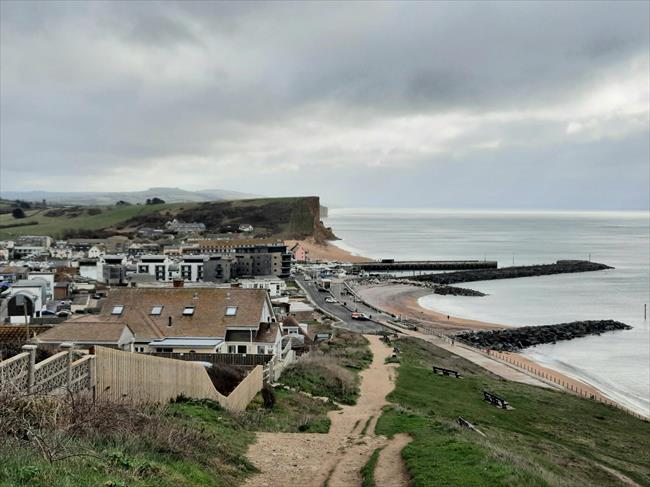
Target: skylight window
[117,310]
[156,310]
[231,310]
[188,311]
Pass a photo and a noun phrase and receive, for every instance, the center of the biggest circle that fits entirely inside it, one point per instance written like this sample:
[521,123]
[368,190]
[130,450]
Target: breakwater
[560,267]
[514,339]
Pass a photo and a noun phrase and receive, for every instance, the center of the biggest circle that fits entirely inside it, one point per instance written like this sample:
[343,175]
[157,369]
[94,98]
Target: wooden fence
[143,378]
[249,360]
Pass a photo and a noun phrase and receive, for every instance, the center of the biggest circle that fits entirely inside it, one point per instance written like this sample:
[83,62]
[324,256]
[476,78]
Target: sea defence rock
[514,339]
[560,267]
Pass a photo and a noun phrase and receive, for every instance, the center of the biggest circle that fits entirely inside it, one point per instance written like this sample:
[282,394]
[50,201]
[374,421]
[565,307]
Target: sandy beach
[326,251]
[400,299]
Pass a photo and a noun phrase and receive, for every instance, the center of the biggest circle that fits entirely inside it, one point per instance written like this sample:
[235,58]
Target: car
[63,313]
[48,312]
[330,300]
[359,316]
[323,290]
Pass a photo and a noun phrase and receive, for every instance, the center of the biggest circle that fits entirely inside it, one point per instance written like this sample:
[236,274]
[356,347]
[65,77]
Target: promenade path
[336,458]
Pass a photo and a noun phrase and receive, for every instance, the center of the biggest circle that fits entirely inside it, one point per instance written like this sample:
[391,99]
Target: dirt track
[311,460]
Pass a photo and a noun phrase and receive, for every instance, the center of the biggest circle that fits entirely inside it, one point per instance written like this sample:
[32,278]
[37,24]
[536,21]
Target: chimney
[169,321]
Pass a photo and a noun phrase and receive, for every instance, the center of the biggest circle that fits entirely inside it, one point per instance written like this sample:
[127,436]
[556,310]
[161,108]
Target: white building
[275,286]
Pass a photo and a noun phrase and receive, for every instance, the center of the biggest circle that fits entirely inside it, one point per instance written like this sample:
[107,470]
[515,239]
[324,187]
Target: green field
[280,217]
[549,438]
[55,226]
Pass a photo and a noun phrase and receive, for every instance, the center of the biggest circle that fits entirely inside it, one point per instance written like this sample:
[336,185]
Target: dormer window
[156,310]
[188,311]
[117,310]
[231,310]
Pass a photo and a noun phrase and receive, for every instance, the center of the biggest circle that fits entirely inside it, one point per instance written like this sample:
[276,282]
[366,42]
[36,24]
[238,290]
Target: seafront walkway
[491,364]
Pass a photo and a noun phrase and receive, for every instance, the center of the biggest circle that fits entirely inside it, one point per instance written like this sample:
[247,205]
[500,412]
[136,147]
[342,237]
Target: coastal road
[340,311]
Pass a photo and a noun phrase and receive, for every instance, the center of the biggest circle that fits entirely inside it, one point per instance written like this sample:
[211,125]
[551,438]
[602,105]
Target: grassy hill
[549,439]
[282,217]
[37,222]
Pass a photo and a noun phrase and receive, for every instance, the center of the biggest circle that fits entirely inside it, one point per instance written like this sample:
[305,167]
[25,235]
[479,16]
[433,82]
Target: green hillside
[278,217]
[37,222]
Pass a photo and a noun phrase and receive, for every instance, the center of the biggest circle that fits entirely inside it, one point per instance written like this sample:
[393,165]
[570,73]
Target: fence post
[32,365]
[67,346]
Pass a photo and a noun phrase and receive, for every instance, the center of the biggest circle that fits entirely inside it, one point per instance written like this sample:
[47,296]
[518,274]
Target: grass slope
[55,226]
[118,459]
[549,438]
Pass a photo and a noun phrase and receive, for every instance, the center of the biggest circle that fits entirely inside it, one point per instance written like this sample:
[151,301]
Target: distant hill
[169,195]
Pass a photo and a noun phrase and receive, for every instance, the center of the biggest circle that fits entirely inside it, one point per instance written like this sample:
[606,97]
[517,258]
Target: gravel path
[335,458]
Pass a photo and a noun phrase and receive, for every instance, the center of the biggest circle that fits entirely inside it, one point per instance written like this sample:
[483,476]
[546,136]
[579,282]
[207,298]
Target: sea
[617,363]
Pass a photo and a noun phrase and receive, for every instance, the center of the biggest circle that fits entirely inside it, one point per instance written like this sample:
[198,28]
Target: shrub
[18,213]
[320,375]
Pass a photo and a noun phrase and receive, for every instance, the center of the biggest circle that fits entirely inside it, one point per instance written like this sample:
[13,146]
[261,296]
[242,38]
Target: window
[188,311]
[117,310]
[156,310]
[231,310]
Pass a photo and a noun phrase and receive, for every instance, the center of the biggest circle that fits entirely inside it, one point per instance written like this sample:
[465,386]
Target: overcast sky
[469,105]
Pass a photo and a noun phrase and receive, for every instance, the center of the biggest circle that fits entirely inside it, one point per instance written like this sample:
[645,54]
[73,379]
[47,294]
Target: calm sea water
[618,363]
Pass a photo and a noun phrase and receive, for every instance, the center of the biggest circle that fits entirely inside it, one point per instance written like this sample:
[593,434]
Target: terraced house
[205,320]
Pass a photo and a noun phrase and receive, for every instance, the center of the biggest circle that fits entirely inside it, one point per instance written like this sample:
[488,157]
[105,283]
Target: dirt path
[335,458]
[390,470]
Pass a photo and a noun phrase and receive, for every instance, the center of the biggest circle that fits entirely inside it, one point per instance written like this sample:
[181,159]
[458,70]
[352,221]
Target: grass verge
[549,438]
[368,470]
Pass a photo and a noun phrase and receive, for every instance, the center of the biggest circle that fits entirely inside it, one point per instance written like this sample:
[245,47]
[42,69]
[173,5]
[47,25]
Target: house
[29,245]
[157,266]
[25,298]
[112,269]
[272,284]
[175,226]
[13,273]
[299,253]
[180,319]
[95,252]
[113,334]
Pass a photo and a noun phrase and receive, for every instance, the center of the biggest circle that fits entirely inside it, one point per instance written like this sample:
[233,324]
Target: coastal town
[178,311]
[324,244]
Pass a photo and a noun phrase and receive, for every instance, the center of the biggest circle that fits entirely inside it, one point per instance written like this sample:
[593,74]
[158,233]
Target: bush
[320,375]
[18,213]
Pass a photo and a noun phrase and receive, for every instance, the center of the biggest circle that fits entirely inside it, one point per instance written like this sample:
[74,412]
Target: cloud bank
[455,104]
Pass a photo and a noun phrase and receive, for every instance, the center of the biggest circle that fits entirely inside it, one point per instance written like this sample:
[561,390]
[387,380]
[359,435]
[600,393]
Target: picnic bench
[495,400]
[443,371]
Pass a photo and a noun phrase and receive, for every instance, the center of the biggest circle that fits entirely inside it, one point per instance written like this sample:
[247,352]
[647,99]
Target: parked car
[360,316]
[63,313]
[330,300]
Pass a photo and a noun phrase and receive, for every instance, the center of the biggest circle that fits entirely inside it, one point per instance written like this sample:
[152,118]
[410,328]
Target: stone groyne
[514,339]
[560,267]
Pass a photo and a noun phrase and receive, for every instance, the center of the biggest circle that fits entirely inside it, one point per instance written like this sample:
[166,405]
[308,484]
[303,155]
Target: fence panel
[14,373]
[249,360]
[145,378]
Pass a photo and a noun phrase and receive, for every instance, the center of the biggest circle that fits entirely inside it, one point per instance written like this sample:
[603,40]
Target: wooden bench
[443,371]
[495,400]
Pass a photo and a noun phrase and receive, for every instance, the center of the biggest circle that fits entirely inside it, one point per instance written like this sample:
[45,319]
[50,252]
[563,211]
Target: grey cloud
[131,85]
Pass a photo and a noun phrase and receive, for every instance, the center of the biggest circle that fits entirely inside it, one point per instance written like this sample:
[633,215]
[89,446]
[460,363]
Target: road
[342,312]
